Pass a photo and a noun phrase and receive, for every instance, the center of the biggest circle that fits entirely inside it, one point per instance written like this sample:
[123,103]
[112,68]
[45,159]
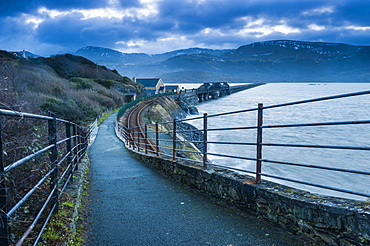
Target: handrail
[172,143]
[64,155]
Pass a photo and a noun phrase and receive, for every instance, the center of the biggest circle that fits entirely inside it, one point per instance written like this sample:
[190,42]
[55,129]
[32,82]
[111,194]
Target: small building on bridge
[172,88]
[152,85]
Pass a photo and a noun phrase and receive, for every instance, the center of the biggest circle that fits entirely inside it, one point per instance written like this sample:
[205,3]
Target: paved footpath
[133,205]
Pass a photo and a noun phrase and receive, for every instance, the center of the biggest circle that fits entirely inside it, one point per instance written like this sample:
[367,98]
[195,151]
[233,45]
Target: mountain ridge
[266,61]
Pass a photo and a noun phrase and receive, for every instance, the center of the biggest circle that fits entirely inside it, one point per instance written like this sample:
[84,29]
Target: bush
[67,109]
[107,83]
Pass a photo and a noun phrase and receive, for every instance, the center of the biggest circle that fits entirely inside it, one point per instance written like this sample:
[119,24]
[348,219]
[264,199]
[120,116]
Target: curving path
[133,205]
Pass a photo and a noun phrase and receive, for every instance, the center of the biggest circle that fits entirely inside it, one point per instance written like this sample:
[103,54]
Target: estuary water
[337,110]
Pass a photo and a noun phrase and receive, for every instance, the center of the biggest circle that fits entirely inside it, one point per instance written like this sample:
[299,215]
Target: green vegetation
[72,87]
[106,115]
[107,83]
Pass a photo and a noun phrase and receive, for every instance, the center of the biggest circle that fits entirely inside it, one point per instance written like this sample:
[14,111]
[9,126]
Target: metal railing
[129,105]
[169,140]
[51,167]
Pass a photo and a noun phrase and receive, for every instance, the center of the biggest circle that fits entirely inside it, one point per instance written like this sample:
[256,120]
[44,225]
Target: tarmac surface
[132,205]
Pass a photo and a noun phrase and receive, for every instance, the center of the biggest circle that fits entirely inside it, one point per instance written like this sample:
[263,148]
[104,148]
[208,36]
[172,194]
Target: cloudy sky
[47,27]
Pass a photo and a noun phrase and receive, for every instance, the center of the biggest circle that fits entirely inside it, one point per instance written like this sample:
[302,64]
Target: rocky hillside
[270,61]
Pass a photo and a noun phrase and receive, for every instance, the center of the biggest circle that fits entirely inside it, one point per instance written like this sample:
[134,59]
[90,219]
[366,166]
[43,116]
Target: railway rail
[138,133]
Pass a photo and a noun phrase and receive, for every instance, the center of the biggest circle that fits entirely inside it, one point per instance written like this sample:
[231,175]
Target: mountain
[269,61]
[115,57]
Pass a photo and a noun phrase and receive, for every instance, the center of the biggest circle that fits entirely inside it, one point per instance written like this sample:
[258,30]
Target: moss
[57,230]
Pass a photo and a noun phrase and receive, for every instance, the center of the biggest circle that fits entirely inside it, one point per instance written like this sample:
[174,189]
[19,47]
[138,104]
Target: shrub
[107,83]
[67,109]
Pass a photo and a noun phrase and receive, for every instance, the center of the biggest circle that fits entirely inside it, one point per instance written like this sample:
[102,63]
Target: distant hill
[270,61]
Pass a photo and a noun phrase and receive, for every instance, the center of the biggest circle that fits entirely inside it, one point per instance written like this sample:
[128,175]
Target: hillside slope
[72,87]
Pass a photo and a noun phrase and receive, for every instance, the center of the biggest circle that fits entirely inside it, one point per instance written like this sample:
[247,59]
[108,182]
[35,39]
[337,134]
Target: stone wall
[321,220]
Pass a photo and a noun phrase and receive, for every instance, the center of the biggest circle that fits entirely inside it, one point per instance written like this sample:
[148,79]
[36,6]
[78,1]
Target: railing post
[69,144]
[138,139]
[174,141]
[4,234]
[205,123]
[74,129]
[132,146]
[53,158]
[156,139]
[146,139]
[85,139]
[79,142]
[259,143]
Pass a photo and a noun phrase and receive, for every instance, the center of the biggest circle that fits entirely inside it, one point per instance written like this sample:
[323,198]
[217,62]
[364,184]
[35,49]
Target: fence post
[259,143]
[53,158]
[85,139]
[4,235]
[74,129]
[146,138]
[156,139]
[79,143]
[138,138]
[69,145]
[131,138]
[205,123]
[174,141]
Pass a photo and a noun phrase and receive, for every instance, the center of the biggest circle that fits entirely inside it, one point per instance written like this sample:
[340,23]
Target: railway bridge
[212,90]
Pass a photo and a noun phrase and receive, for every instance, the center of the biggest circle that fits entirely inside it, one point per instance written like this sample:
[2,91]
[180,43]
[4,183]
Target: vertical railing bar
[74,129]
[53,158]
[129,137]
[80,146]
[156,139]
[259,143]
[133,138]
[4,234]
[146,138]
[205,127]
[138,138]
[174,141]
[69,144]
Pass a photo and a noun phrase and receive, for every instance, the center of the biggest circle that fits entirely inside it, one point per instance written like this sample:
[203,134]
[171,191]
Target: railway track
[137,135]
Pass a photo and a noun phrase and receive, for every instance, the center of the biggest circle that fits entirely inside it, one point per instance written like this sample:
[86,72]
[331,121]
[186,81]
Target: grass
[65,228]
[106,115]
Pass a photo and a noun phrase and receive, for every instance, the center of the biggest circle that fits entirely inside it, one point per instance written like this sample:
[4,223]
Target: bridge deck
[132,204]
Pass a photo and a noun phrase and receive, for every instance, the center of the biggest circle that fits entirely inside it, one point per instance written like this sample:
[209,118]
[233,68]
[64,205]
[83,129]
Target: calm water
[355,108]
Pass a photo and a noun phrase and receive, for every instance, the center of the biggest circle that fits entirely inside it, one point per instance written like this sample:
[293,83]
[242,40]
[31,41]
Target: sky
[47,27]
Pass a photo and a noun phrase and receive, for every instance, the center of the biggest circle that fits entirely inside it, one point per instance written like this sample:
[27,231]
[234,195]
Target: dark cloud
[356,12]
[207,23]
[15,7]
